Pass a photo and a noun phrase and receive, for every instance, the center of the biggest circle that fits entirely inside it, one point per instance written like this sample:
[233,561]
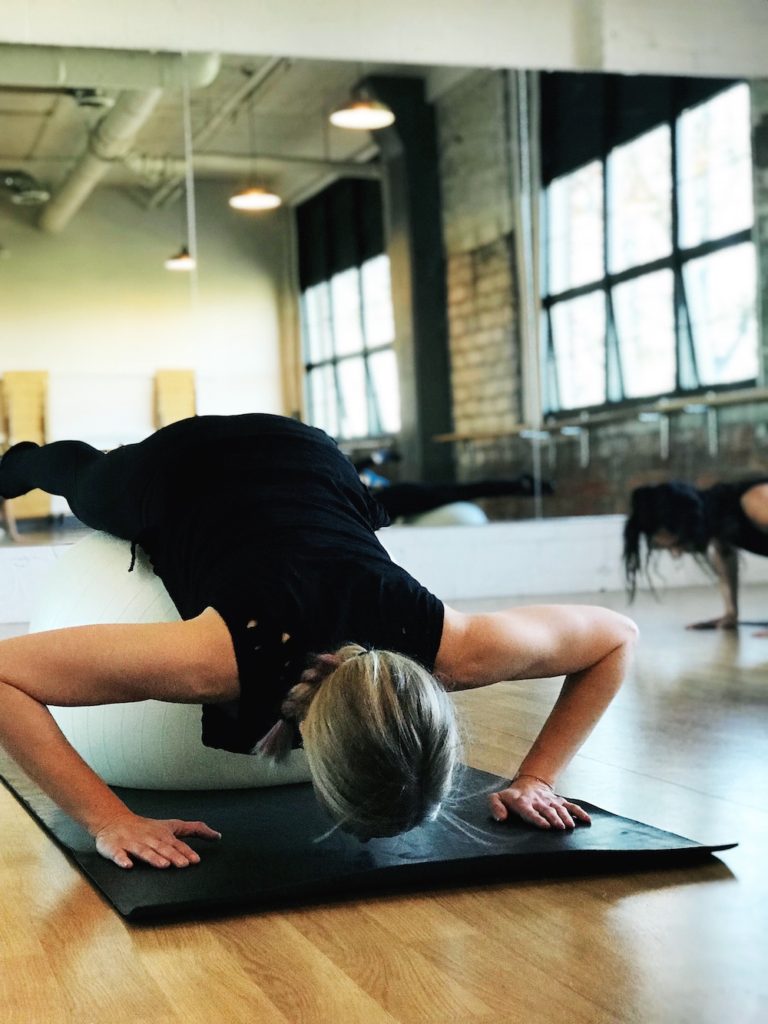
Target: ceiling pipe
[114,135]
[59,67]
[111,140]
[158,168]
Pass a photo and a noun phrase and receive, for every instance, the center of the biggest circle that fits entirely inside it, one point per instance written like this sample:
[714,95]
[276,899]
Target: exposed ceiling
[270,115]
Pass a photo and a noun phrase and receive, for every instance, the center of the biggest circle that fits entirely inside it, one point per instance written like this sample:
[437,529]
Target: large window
[649,267]
[350,365]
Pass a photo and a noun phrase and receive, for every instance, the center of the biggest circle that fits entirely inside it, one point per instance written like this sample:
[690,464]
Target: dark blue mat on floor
[270,854]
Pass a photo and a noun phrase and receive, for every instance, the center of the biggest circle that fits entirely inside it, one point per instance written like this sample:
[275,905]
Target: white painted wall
[95,307]
[715,37]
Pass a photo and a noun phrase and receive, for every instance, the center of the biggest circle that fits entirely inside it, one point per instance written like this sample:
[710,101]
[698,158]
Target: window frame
[687,380]
[374,417]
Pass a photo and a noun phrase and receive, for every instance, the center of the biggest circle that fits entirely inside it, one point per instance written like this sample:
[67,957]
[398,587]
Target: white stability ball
[456,513]
[150,744]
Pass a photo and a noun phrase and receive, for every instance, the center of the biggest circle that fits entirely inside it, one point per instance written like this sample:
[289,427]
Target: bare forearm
[33,739]
[583,700]
[589,645]
[726,566]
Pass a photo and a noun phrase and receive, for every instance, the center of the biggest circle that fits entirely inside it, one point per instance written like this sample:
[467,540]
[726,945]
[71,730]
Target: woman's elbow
[627,630]
[623,633]
[623,640]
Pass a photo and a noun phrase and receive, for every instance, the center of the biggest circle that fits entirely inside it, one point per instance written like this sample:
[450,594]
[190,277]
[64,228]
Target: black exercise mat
[270,854]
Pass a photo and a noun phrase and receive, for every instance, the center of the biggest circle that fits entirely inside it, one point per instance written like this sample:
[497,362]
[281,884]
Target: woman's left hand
[536,803]
[156,841]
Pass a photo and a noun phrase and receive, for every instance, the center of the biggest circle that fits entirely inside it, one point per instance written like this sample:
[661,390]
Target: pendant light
[254,198]
[362,114]
[186,258]
[182,260]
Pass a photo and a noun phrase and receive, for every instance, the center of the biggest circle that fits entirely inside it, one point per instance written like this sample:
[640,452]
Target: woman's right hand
[534,801]
[723,622]
[153,840]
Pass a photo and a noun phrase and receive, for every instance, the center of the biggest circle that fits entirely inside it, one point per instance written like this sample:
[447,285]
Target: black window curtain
[584,115]
[339,228]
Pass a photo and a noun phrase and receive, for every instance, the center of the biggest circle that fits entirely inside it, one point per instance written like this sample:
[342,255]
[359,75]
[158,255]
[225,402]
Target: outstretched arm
[589,645]
[186,662]
[724,560]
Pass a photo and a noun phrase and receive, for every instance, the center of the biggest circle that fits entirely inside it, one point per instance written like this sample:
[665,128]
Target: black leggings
[136,487]
[410,499]
[124,491]
[105,491]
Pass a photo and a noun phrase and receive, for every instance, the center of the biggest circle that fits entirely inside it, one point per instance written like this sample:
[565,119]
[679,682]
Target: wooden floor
[684,747]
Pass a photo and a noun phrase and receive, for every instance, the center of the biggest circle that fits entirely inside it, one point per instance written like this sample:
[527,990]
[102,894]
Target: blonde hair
[381,738]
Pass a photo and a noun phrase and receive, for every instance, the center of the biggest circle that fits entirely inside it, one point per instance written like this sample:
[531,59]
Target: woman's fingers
[540,807]
[551,813]
[565,818]
[116,854]
[178,854]
[156,842]
[535,817]
[578,812]
[160,855]
[498,807]
[502,803]
[149,855]
[194,828]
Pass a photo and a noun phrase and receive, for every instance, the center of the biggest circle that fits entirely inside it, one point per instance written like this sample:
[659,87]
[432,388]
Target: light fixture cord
[252,137]
[189,188]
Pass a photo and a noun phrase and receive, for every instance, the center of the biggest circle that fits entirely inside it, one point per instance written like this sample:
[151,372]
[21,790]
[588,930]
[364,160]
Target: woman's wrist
[538,778]
[103,815]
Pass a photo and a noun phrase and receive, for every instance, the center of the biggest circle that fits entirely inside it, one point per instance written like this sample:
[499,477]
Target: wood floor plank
[487,965]
[29,991]
[392,970]
[189,962]
[417,918]
[298,977]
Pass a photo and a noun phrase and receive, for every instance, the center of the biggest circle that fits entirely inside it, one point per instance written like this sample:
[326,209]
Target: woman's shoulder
[754,502]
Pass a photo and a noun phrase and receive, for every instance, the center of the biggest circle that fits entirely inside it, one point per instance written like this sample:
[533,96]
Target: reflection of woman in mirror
[712,524]
[409,498]
[296,627]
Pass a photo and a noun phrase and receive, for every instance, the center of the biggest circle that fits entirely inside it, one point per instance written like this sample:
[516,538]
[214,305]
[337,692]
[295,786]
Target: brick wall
[482,338]
[477,225]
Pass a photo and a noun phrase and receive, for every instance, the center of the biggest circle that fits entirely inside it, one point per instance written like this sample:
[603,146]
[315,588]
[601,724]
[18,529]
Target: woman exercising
[711,524]
[409,499]
[296,627]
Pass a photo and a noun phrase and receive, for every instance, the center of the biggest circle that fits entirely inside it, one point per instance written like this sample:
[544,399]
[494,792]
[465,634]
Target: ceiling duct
[141,77]
[23,189]
[58,67]
[111,140]
[157,169]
